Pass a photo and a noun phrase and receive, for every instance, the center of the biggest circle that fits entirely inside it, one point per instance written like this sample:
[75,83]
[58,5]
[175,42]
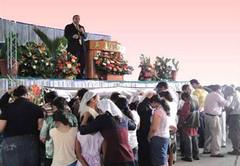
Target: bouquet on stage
[68,66]
[111,63]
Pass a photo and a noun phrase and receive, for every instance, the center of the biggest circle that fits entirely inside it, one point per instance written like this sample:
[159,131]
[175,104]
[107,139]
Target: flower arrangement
[164,69]
[148,72]
[111,63]
[35,94]
[67,65]
[35,61]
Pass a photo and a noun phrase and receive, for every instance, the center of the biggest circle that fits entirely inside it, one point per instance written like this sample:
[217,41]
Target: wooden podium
[93,46]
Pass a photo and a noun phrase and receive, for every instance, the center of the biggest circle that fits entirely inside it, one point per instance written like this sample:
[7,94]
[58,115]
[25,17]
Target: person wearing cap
[234,119]
[201,94]
[213,110]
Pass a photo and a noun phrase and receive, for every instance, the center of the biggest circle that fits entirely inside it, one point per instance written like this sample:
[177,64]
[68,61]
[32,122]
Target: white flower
[69,66]
[96,58]
[104,64]
[112,61]
[35,61]
[47,64]
[34,67]
[42,60]
[108,62]
[73,60]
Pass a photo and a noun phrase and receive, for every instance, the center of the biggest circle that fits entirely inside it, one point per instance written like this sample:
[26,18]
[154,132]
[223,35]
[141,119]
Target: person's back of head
[185,96]
[162,86]
[167,95]
[185,87]
[238,89]
[216,88]
[58,116]
[60,103]
[50,96]
[81,93]
[20,91]
[228,91]
[122,104]
[114,96]
[195,84]
[162,102]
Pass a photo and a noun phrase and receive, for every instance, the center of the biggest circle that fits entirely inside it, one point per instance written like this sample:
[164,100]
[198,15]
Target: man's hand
[10,91]
[82,30]
[75,36]
[150,95]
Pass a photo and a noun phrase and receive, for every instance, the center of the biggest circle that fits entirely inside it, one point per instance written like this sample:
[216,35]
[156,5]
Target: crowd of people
[90,131]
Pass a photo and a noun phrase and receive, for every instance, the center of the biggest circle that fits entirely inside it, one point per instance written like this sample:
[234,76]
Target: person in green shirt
[59,103]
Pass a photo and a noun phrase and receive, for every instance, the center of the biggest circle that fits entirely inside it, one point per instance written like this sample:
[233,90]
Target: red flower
[59,61]
[73,57]
[35,89]
[79,64]
[60,66]
[78,70]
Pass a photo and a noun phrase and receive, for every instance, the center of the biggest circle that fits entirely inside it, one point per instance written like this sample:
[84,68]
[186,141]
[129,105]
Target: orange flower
[64,52]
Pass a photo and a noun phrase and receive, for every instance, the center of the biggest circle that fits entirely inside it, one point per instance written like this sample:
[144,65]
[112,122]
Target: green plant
[36,62]
[52,45]
[163,69]
[175,64]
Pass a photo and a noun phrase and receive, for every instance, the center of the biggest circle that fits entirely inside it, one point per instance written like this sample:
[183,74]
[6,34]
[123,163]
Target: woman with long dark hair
[166,95]
[63,141]
[113,126]
[122,104]
[159,135]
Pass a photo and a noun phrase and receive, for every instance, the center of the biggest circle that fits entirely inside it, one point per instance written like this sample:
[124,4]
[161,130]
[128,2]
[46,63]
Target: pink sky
[204,35]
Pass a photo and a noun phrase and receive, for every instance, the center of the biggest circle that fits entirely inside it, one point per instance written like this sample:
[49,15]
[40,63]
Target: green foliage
[164,69]
[36,62]
[175,64]
[52,45]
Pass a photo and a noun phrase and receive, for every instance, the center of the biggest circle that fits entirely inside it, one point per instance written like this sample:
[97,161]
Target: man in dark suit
[75,33]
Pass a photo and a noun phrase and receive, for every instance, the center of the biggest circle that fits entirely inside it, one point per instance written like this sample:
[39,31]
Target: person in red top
[190,139]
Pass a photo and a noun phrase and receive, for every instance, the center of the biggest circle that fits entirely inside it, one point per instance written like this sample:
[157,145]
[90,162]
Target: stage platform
[73,85]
